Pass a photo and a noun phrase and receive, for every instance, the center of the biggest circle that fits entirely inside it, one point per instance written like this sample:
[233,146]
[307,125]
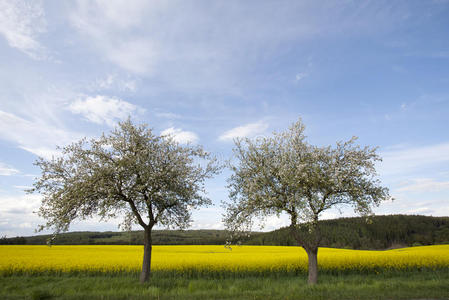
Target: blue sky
[210,71]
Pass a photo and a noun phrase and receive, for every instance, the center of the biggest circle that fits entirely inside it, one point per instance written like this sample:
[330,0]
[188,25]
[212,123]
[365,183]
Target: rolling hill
[381,232]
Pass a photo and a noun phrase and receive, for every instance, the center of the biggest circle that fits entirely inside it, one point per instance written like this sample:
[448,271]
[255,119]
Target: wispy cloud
[23,204]
[421,211]
[114,82]
[106,24]
[200,39]
[34,136]
[16,214]
[23,187]
[424,185]
[135,55]
[409,159]
[21,22]
[248,130]
[6,170]
[181,136]
[300,76]
[103,109]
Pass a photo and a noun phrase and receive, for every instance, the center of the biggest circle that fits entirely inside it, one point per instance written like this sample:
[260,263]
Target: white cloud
[274,222]
[113,81]
[107,25]
[121,15]
[6,170]
[202,225]
[18,217]
[135,55]
[421,211]
[175,39]
[180,135]
[20,23]
[22,205]
[34,136]
[248,130]
[102,109]
[46,152]
[23,187]
[409,159]
[300,76]
[424,185]
[17,214]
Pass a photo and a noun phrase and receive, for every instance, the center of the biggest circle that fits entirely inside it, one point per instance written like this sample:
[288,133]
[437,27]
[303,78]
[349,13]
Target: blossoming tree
[130,173]
[284,174]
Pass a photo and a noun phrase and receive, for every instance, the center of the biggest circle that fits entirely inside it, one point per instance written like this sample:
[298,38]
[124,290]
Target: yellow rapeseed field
[213,259]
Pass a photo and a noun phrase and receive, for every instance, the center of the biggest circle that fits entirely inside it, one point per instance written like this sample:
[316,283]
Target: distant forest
[380,232]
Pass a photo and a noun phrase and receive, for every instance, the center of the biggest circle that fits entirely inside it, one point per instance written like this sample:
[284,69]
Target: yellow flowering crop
[213,259]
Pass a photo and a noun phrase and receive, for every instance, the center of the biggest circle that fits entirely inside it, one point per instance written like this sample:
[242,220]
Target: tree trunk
[146,266]
[312,254]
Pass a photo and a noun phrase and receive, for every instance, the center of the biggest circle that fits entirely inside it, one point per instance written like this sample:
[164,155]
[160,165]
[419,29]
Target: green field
[410,285]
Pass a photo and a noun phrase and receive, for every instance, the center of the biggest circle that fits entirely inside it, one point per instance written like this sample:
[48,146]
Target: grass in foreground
[410,285]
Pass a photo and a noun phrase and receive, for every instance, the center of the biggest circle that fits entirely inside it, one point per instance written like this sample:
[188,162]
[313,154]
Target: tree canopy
[285,174]
[130,173]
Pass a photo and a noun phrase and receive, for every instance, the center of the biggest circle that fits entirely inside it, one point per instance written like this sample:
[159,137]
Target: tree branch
[135,211]
[164,209]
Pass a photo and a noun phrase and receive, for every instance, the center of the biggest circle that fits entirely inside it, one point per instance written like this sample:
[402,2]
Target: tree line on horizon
[383,232]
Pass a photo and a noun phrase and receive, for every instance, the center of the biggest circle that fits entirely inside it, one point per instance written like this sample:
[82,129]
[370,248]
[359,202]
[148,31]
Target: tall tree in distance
[284,174]
[130,172]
